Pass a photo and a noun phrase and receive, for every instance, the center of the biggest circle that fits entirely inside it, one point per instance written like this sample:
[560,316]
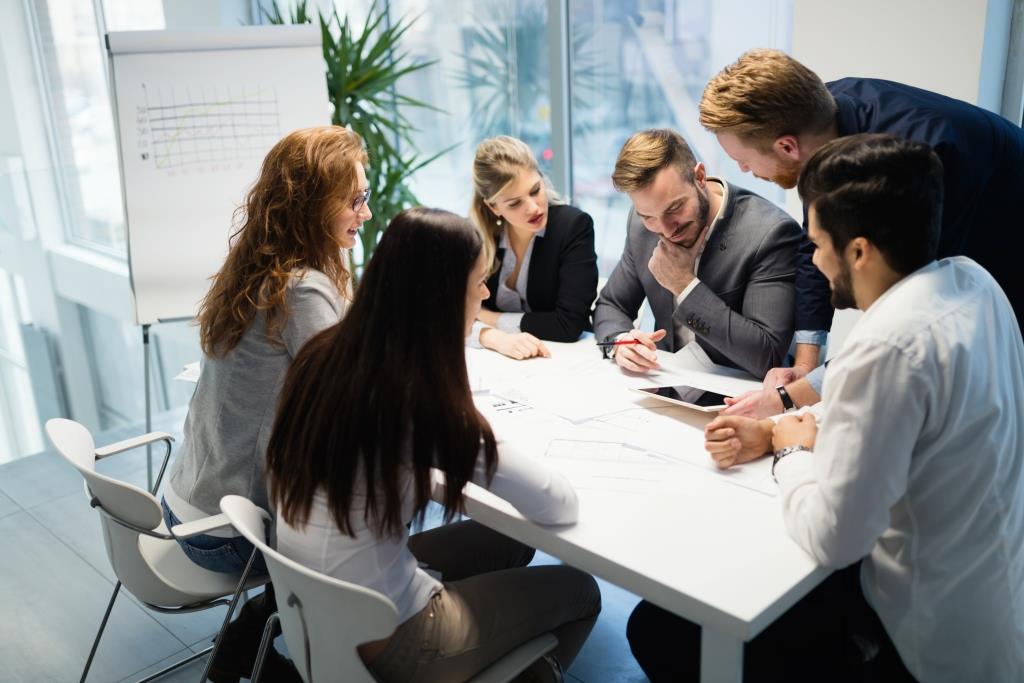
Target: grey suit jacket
[741,313]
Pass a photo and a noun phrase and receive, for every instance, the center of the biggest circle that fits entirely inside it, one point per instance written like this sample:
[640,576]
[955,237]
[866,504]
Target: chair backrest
[119,499]
[323,619]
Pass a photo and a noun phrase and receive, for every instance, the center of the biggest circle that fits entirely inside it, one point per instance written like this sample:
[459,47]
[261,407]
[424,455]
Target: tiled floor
[55,582]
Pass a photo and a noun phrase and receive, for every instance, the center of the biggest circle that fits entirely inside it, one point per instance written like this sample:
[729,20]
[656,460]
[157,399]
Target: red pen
[620,342]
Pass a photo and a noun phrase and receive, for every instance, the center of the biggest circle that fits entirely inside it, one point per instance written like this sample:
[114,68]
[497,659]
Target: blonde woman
[544,269]
[284,280]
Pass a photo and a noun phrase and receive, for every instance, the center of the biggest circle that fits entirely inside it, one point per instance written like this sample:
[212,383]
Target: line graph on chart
[205,127]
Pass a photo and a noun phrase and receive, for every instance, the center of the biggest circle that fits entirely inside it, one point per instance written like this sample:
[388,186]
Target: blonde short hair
[764,95]
[645,153]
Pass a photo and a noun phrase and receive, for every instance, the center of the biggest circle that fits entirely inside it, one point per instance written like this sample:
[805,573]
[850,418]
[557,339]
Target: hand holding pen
[636,351]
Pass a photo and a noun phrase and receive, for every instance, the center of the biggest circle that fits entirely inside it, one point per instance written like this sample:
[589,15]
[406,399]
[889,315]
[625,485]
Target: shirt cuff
[686,292]
[509,322]
[815,337]
[473,340]
[816,378]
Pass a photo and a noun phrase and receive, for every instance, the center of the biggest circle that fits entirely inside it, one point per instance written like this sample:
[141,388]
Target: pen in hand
[620,342]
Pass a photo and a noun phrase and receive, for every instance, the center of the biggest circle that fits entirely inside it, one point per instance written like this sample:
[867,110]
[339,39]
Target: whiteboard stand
[149,407]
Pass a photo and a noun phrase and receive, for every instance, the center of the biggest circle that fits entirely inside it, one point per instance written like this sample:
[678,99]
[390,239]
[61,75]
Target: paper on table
[670,432]
[690,365]
[190,373]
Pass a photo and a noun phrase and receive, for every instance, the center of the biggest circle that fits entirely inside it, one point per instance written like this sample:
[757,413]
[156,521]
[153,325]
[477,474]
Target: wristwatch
[787,401]
[783,452]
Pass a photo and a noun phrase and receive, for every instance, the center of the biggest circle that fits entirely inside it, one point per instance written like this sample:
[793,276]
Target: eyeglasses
[360,201]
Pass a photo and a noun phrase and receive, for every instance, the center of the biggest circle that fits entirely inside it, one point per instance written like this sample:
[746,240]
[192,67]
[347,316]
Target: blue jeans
[227,555]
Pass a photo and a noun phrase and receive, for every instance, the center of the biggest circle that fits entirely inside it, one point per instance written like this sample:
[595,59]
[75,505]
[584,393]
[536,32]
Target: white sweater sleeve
[537,492]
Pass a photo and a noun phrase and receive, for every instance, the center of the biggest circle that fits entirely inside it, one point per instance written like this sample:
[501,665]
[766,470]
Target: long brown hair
[307,180]
[385,391]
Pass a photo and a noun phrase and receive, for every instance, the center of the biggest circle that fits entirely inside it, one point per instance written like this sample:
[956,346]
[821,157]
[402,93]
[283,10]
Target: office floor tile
[189,673]
[8,506]
[53,602]
[39,479]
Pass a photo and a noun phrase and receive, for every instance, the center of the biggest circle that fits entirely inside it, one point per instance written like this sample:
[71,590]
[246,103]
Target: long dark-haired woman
[368,408]
[544,275]
[283,281]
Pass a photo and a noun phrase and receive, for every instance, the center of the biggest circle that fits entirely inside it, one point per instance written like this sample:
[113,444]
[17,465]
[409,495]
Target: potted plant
[362,69]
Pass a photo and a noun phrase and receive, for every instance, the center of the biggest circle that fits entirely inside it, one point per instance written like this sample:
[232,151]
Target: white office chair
[324,619]
[144,555]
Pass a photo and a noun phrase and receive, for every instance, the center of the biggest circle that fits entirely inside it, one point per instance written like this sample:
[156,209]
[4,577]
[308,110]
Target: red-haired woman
[284,280]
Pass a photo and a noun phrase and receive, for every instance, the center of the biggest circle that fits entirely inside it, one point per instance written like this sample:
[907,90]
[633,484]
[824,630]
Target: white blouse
[385,564]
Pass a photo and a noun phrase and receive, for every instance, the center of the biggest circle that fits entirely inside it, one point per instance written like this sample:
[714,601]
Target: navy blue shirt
[983,173]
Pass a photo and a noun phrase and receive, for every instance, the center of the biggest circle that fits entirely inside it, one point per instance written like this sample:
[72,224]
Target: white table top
[681,536]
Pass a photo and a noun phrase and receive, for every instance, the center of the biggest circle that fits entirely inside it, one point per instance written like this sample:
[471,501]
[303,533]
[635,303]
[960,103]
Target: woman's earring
[498,221]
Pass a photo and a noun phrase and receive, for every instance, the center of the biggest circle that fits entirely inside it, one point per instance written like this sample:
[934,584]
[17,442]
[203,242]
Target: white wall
[954,47]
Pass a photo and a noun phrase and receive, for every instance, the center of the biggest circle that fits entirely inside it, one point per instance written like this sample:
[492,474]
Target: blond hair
[646,153]
[286,223]
[764,95]
[498,161]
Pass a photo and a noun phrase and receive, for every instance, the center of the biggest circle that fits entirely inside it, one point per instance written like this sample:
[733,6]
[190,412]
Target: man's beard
[787,174]
[701,219]
[842,288]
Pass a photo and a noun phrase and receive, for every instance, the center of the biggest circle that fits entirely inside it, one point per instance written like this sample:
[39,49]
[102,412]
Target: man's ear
[788,147]
[859,252]
[700,174]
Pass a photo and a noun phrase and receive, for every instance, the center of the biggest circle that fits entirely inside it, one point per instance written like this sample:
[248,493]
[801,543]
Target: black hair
[879,187]
[385,392]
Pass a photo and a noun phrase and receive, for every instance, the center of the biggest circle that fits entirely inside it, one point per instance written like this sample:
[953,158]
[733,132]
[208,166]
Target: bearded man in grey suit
[716,262]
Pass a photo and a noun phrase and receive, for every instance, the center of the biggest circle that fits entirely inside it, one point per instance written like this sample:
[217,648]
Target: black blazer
[562,283]
[982,156]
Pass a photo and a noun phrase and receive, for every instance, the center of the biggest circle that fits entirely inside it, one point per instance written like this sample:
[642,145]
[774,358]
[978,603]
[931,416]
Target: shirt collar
[503,242]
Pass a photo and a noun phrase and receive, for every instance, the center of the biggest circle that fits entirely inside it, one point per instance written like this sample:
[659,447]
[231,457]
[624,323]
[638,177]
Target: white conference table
[691,541]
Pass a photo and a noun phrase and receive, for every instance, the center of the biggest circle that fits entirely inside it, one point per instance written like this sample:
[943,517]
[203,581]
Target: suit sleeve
[813,294]
[577,287]
[757,337]
[619,301]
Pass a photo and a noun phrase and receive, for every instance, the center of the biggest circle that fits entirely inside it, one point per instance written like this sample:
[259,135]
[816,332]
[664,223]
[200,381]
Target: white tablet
[691,397]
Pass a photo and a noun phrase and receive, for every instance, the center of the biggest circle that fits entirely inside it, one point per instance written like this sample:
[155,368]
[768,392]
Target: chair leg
[99,633]
[265,644]
[227,617]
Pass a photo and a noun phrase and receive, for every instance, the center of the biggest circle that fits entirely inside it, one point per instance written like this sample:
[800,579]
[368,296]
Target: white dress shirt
[385,564]
[919,465]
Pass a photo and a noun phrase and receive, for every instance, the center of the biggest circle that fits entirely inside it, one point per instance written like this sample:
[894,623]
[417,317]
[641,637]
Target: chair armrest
[201,526]
[134,442]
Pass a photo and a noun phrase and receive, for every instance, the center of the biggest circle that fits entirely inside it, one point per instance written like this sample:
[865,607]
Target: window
[638,65]
[19,423]
[491,79]
[86,151]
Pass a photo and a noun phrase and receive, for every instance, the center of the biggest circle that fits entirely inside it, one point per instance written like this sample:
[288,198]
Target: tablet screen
[687,394]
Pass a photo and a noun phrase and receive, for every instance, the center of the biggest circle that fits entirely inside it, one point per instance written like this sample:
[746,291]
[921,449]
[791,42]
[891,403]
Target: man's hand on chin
[673,265]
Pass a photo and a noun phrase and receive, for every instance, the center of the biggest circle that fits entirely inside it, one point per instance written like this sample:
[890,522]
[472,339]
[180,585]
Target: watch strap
[787,400]
[782,453]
